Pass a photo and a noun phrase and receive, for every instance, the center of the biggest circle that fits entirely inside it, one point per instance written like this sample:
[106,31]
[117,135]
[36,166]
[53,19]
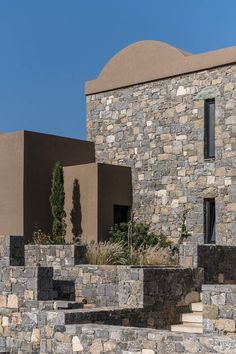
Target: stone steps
[187,328]
[196,307]
[192,322]
[60,305]
[193,317]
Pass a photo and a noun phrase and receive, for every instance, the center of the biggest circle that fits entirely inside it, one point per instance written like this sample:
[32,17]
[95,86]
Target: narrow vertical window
[210,220]
[209,129]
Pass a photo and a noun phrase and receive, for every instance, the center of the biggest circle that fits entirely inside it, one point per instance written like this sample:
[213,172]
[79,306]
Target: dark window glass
[120,214]
[210,220]
[209,134]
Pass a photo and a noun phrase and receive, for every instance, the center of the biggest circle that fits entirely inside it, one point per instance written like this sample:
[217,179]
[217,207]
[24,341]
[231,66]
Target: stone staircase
[191,322]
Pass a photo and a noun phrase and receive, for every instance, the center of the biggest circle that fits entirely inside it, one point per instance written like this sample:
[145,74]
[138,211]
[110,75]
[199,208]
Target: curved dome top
[152,60]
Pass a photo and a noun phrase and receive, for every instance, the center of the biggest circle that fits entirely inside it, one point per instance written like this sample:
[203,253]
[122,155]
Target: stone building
[171,117]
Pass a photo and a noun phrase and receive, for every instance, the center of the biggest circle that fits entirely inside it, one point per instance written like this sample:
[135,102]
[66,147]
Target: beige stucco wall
[42,151]
[27,160]
[101,187]
[114,188]
[11,186]
[86,202]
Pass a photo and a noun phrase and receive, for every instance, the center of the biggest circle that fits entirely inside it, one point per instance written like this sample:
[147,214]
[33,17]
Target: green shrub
[139,236]
[184,232]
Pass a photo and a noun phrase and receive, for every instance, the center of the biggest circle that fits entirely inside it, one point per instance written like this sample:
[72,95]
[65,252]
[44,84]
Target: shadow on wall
[76,213]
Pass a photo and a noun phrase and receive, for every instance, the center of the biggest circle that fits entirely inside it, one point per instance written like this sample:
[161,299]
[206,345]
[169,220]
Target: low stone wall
[156,296]
[110,286]
[219,313]
[100,339]
[21,288]
[54,255]
[221,267]
[20,284]
[188,255]
[218,263]
[133,286]
[11,251]
[105,285]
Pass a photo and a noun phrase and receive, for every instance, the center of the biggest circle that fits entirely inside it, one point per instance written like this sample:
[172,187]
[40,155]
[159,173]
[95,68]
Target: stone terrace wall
[105,285]
[21,288]
[19,284]
[132,286]
[56,256]
[96,339]
[11,251]
[219,312]
[219,263]
[147,297]
[157,129]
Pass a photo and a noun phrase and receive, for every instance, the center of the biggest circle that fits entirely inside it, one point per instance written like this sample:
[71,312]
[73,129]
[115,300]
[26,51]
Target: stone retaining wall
[219,263]
[56,256]
[219,312]
[21,288]
[11,251]
[188,255]
[105,285]
[101,339]
[19,284]
[133,286]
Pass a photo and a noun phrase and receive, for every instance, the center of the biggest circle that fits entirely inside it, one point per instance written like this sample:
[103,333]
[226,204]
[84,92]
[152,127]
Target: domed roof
[152,60]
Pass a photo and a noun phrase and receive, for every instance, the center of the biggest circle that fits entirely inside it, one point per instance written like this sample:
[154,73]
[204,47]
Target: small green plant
[41,238]
[137,235]
[184,232]
[57,200]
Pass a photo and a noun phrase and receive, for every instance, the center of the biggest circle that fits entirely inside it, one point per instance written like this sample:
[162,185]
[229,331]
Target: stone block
[218,299]
[210,312]
[12,301]
[76,344]
[225,325]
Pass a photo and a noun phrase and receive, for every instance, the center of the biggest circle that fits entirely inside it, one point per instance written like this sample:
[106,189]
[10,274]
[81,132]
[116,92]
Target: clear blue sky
[49,48]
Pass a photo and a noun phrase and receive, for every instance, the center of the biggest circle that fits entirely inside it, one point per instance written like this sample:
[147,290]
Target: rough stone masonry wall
[221,267]
[94,339]
[11,251]
[218,262]
[51,256]
[134,287]
[219,312]
[157,128]
[105,285]
[20,290]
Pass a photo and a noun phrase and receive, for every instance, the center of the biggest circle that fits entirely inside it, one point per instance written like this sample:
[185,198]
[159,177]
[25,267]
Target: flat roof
[147,61]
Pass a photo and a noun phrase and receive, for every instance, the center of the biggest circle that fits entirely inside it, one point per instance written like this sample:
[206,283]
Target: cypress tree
[57,201]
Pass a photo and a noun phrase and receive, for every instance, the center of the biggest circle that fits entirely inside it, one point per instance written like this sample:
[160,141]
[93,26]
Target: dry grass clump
[109,253]
[106,253]
[41,238]
[156,256]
